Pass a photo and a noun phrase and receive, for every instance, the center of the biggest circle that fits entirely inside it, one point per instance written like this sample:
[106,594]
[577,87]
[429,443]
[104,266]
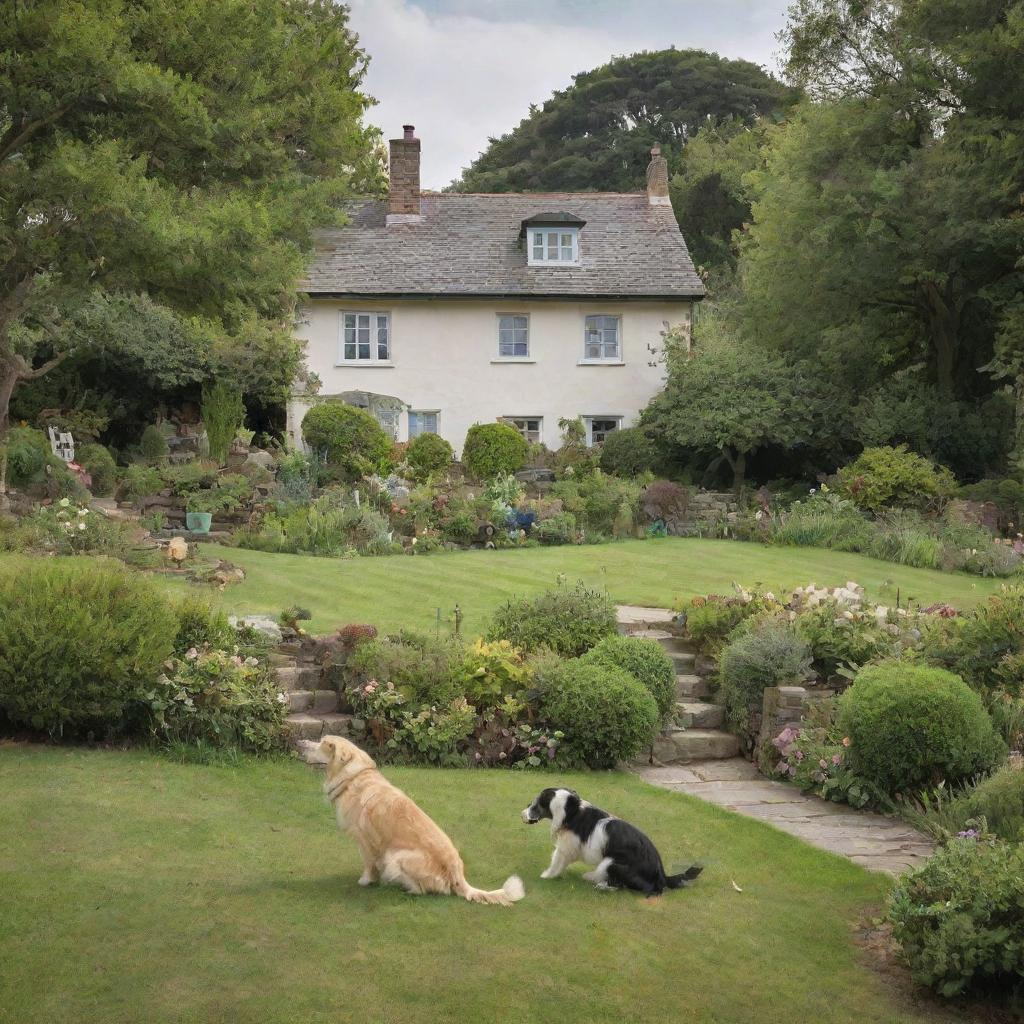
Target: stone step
[298,677]
[308,726]
[677,746]
[684,661]
[314,701]
[279,660]
[690,687]
[699,715]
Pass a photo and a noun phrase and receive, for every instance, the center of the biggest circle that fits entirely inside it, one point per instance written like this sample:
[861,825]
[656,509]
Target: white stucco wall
[444,357]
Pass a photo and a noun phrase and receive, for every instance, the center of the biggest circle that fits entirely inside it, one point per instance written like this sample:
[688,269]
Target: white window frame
[436,413]
[590,420]
[502,357]
[542,254]
[514,421]
[614,360]
[374,326]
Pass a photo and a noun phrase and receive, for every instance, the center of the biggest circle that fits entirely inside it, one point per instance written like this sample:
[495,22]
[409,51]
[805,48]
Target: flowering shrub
[815,760]
[220,698]
[846,636]
[66,528]
[435,735]
[710,620]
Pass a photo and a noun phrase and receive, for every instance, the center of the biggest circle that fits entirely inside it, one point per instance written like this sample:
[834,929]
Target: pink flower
[799,754]
[837,758]
[191,654]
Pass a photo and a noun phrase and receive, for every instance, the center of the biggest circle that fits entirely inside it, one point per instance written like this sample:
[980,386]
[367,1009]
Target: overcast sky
[462,71]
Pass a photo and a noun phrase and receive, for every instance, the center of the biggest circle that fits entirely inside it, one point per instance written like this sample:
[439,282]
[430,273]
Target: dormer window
[549,245]
[552,239]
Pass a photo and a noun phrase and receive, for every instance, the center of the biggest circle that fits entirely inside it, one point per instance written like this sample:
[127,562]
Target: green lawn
[403,591]
[137,889]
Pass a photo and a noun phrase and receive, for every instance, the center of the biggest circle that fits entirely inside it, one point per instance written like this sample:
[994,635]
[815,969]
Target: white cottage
[440,310]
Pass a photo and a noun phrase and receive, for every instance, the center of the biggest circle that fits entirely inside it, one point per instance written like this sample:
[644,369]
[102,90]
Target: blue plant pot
[199,522]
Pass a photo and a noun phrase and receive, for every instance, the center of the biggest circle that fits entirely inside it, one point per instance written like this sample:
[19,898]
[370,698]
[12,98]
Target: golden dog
[397,841]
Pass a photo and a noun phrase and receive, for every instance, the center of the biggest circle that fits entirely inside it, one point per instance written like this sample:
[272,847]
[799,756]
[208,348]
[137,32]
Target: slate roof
[469,245]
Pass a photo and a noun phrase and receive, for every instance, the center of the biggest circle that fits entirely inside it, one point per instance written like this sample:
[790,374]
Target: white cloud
[462,72]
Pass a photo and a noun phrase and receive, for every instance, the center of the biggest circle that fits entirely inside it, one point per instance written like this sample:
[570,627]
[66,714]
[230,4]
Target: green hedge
[78,643]
[911,727]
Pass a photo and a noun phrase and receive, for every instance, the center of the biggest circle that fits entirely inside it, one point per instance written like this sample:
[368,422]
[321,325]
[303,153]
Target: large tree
[887,227]
[597,134]
[162,166]
[728,400]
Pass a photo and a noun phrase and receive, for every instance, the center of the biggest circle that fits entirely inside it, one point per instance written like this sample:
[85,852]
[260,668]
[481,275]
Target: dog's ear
[334,748]
[572,805]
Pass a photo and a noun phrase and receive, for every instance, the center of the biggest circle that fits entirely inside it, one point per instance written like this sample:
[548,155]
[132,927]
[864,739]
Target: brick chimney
[657,179]
[404,174]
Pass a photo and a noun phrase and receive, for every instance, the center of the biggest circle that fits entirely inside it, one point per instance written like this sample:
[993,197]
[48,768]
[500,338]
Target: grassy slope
[403,591]
[136,889]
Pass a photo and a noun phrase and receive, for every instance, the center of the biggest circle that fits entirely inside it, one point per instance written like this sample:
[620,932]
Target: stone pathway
[871,840]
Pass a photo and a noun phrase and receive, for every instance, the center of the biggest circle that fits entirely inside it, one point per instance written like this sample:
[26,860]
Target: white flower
[191,654]
[759,515]
[282,698]
[81,526]
[64,502]
[83,512]
[814,490]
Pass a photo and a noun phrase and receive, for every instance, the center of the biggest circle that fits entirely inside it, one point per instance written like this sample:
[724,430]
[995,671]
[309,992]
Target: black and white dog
[622,856]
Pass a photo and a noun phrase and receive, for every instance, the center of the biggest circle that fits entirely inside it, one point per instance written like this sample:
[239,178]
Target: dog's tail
[678,881]
[511,892]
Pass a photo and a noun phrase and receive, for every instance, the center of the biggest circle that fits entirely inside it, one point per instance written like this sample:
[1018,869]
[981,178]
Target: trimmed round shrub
[911,727]
[78,643]
[766,653]
[429,453]
[569,622]
[493,448]
[959,917]
[100,465]
[643,659]
[881,477]
[27,453]
[200,625]
[607,715]
[153,444]
[627,452]
[347,437]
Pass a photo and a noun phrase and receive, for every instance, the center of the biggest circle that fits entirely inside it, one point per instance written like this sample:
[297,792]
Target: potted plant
[199,511]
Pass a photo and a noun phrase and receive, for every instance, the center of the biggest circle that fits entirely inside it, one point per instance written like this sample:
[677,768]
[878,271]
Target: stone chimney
[657,179]
[404,174]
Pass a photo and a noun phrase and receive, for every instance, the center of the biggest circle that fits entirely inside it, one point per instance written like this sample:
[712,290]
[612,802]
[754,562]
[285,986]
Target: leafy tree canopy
[162,166]
[730,399]
[597,134]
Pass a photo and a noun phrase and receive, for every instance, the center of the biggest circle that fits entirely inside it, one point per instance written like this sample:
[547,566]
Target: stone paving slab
[632,614]
[871,840]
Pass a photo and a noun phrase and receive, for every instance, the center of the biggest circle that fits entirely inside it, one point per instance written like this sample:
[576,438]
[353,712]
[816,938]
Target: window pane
[350,349]
[552,245]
